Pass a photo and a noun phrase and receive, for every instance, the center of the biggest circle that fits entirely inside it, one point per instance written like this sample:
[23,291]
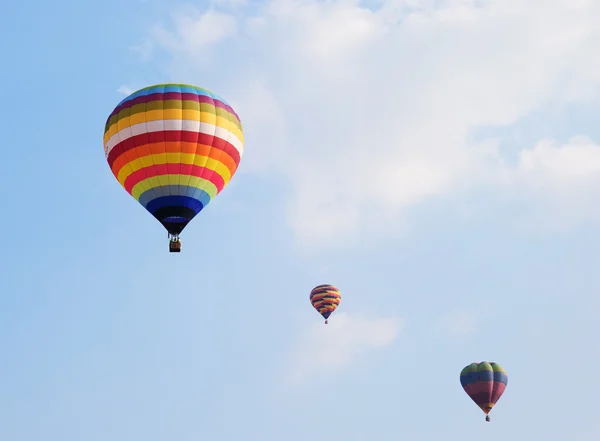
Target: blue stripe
[175,201]
[174,190]
[501,377]
[173,88]
[175,220]
[474,377]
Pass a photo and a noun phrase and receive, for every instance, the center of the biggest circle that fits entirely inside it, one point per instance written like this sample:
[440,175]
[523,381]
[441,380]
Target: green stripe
[497,368]
[175,84]
[173,104]
[470,368]
[481,367]
[484,366]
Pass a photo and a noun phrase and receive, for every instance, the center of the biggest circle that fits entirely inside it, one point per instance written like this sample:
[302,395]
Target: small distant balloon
[485,383]
[325,299]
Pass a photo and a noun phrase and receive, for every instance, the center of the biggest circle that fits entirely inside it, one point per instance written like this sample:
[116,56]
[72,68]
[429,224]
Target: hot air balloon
[173,147]
[485,383]
[325,299]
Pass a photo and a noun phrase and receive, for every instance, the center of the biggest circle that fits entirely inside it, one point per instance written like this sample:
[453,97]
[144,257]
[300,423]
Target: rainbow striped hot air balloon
[325,299]
[485,383]
[173,147]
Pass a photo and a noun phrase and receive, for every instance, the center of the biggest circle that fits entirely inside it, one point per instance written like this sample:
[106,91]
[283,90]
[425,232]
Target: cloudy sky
[436,160]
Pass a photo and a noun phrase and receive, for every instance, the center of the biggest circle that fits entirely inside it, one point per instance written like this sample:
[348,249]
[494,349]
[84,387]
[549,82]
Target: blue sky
[437,161]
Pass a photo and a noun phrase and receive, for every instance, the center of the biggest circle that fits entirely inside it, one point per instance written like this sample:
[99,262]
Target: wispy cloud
[144,50]
[375,107]
[229,3]
[326,349]
[195,31]
[558,184]
[125,90]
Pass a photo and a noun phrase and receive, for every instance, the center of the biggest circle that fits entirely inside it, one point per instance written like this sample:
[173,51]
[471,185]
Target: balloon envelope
[485,383]
[173,147]
[325,299]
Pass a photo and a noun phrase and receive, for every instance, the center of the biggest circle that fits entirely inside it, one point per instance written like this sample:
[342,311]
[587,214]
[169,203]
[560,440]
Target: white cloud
[144,50]
[125,90]
[558,184]
[368,112]
[262,112]
[326,349]
[196,31]
[229,3]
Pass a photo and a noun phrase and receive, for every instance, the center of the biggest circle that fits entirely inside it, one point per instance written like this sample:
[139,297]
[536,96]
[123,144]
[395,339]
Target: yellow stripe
[174,158]
[319,304]
[129,168]
[201,183]
[174,114]
[327,296]
[487,407]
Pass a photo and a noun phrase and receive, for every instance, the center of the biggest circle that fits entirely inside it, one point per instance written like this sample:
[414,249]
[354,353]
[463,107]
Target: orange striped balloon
[325,299]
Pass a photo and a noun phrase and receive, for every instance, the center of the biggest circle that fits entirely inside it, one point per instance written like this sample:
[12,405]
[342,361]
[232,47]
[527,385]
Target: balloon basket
[175,247]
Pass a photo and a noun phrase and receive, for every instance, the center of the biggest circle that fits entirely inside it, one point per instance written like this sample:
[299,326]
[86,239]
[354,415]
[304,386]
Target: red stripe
[186,96]
[173,136]
[173,169]
[481,387]
[499,389]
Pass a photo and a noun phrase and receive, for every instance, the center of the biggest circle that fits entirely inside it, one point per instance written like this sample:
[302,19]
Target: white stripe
[174,124]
